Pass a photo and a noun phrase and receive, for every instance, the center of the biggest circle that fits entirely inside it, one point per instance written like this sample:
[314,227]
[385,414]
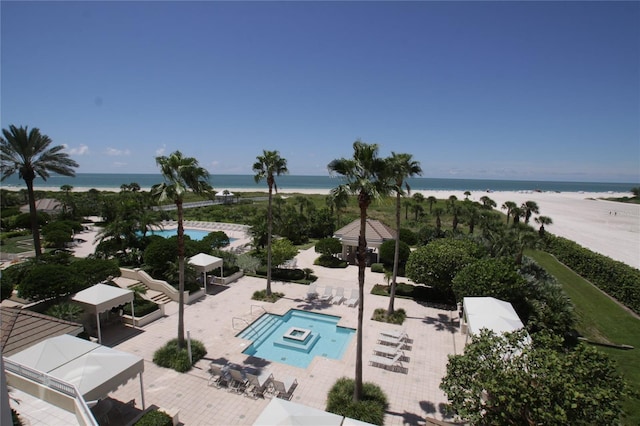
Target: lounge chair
[339,297]
[284,389]
[311,291]
[393,364]
[388,351]
[396,334]
[238,382]
[354,299]
[254,388]
[393,341]
[217,377]
[327,295]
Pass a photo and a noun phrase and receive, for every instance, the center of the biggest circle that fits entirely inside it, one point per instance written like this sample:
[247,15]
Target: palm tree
[467,194]
[431,200]
[400,168]
[529,208]
[417,210]
[364,175]
[68,206]
[517,213]
[508,206]
[29,153]
[267,166]
[542,221]
[338,200]
[181,174]
[438,212]
[451,202]
[407,205]
[487,202]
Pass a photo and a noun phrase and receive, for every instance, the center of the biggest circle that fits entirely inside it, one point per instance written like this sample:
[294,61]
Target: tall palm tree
[338,200]
[365,176]
[508,206]
[529,208]
[431,200]
[28,152]
[181,175]
[487,202]
[542,221]
[400,168]
[268,166]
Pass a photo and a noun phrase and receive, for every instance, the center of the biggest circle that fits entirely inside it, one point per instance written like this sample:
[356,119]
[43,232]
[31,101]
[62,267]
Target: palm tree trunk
[362,250]
[33,214]
[269,227]
[396,258]
[180,277]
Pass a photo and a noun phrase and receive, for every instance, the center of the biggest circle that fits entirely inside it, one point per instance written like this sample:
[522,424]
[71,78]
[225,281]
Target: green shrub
[377,267]
[419,293]
[262,296]
[329,261]
[169,356]
[397,317]
[369,409]
[141,306]
[154,418]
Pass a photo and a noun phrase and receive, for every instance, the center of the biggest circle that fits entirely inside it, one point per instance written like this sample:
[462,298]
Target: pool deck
[216,319]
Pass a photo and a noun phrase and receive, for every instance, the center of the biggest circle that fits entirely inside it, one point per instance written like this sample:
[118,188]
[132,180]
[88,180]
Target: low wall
[229,279]
[160,285]
[147,319]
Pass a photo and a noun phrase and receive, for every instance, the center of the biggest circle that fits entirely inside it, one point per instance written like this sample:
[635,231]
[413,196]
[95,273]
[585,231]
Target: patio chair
[339,297]
[399,341]
[327,295]
[311,291]
[237,382]
[393,364]
[396,334]
[284,389]
[254,388]
[388,351]
[354,299]
[217,377]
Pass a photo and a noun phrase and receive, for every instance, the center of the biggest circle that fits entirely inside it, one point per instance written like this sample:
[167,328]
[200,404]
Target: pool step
[264,326]
[298,346]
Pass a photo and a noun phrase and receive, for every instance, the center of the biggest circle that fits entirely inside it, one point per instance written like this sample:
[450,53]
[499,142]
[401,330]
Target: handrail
[258,306]
[233,323]
[54,383]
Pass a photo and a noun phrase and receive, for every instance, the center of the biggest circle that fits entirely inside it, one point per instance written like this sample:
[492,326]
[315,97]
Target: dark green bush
[369,409]
[141,306]
[284,274]
[154,418]
[388,251]
[419,293]
[262,296]
[398,316]
[329,261]
[328,246]
[377,267]
[169,356]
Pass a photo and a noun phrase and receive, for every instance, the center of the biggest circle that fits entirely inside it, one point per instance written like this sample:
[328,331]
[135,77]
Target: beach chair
[339,297]
[237,382]
[284,389]
[388,351]
[327,295]
[354,299]
[217,377]
[393,364]
[311,291]
[393,341]
[255,388]
[396,334]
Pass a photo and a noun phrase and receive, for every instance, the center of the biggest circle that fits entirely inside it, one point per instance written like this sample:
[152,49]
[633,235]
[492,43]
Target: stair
[155,296]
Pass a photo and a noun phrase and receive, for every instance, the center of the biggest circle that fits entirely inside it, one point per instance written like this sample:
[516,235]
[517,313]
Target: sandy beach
[606,227]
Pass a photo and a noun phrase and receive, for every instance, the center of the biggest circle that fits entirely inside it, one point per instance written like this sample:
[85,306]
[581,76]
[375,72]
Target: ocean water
[290,182]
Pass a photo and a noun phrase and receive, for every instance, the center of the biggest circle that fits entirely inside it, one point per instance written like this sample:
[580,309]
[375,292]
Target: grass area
[18,244]
[602,319]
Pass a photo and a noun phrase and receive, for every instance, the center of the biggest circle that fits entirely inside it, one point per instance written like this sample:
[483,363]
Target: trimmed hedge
[369,409]
[615,278]
[169,356]
[154,418]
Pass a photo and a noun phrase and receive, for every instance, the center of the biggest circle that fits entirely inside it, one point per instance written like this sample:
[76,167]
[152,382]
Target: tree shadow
[213,289]
[442,322]
[412,419]
[312,305]
[428,407]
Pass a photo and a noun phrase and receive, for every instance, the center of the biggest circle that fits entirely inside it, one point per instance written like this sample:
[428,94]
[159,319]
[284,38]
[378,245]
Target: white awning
[493,314]
[282,412]
[102,297]
[205,262]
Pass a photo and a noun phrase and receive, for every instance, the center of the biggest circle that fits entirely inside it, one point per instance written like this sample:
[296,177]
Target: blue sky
[495,90]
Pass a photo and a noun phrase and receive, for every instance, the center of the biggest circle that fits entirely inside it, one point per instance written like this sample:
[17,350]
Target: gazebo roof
[493,314]
[376,233]
[205,262]
[102,297]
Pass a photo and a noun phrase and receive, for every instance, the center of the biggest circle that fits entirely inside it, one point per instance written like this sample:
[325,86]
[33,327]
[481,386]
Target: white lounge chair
[339,297]
[327,295]
[284,389]
[393,364]
[396,334]
[237,382]
[217,377]
[354,299]
[257,385]
[312,293]
[388,351]
[393,341]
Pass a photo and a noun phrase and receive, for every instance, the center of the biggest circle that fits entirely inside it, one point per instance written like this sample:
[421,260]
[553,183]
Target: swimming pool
[296,337]
[194,234]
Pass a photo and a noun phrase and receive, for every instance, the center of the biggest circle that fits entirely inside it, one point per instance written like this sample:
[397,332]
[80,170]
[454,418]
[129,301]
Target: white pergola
[101,298]
[204,263]
[95,370]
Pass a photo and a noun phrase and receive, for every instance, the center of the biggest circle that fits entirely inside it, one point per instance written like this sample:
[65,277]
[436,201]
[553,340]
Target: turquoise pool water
[296,337]
[194,234]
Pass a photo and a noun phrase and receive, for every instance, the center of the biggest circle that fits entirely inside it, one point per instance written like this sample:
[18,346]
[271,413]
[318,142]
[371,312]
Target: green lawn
[602,319]
[18,244]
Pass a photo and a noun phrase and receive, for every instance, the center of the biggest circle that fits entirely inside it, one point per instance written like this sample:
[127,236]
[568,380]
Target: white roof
[282,412]
[491,313]
[102,297]
[205,262]
[94,369]
[222,194]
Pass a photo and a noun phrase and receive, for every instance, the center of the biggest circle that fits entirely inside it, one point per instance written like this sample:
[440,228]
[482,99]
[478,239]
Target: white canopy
[493,314]
[94,369]
[102,297]
[282,412]
[223,194]
[204,263]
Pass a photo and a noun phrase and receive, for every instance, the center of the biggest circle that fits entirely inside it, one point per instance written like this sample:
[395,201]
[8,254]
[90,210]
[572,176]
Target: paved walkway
[413,396]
